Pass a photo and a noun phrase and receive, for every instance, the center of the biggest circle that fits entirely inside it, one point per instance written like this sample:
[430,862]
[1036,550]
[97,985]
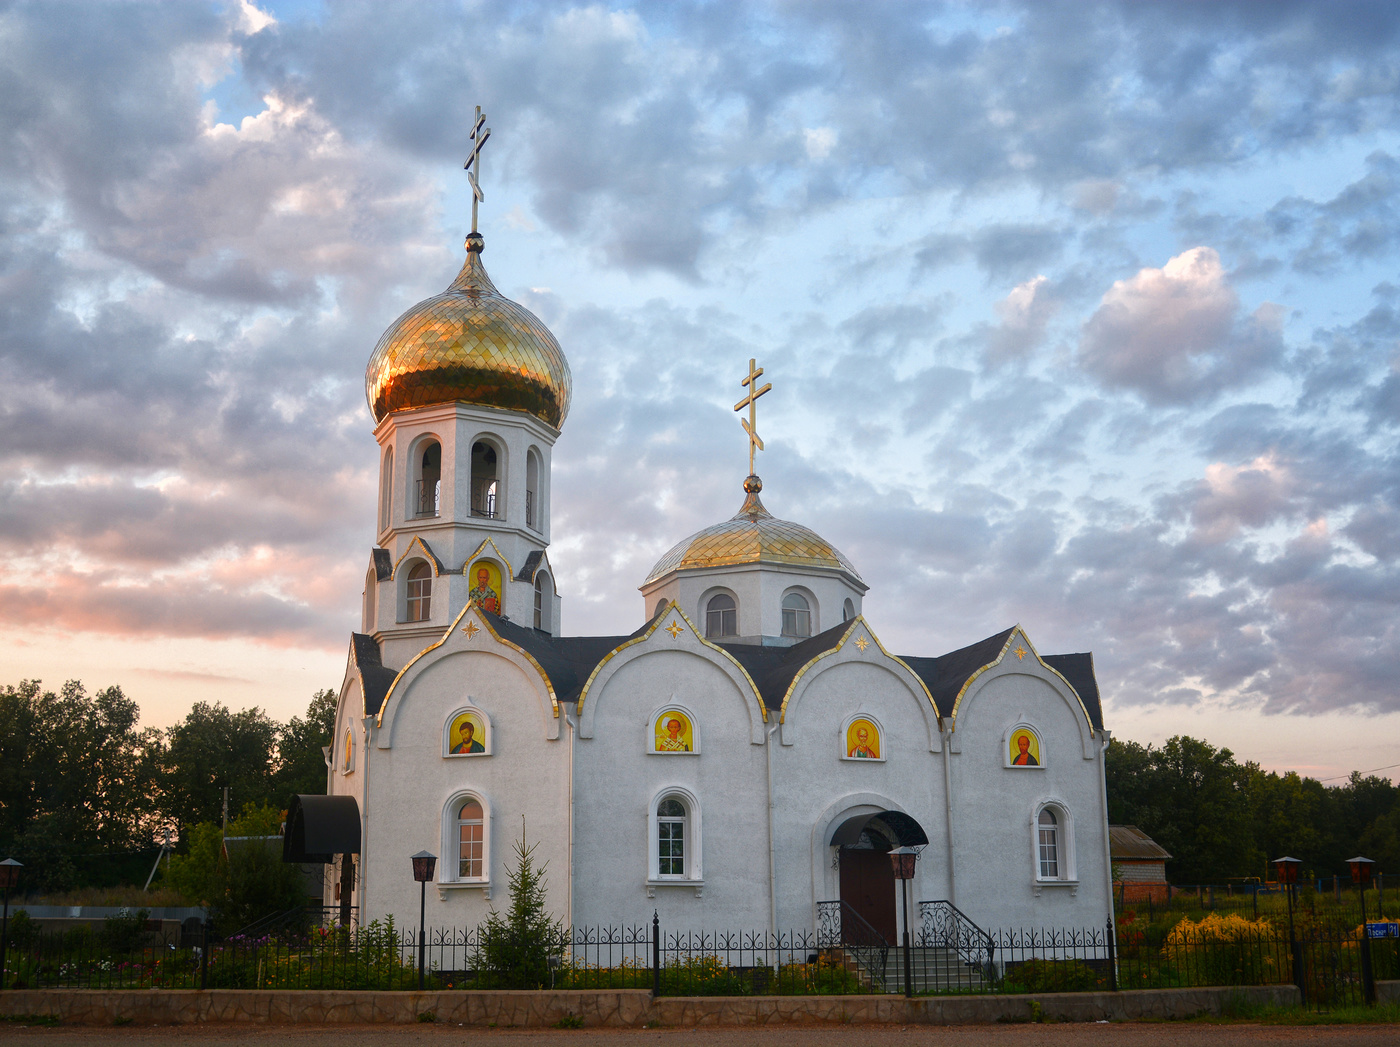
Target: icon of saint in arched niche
[467,735]
[674,733]
[486,585]
[1025,748]
[862,740]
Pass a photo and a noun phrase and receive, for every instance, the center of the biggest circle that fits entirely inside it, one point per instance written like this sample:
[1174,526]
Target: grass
[1239,1010]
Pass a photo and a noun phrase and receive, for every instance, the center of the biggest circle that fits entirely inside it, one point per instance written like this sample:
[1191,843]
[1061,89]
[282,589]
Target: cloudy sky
[1083,316]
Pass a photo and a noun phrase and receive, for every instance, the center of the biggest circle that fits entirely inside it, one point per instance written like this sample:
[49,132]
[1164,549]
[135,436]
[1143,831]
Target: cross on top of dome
[480,132]
[750,423]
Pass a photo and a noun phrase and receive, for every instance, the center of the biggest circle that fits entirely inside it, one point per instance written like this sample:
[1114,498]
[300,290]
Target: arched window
[661,605]
[721,617]
[848,611]
[428,491]
[670,838]
[420,592]
[386,492]
[371,614]
[485,482]
[471,841]
[797,615]
[1049,844]
[544,601]
[532,489]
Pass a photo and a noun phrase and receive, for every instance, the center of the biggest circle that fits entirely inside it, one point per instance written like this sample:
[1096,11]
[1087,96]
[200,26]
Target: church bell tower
[468,391]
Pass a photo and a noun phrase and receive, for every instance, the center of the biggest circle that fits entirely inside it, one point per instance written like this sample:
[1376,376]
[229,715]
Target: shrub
[1225,950]
[516,948]
[1050,976]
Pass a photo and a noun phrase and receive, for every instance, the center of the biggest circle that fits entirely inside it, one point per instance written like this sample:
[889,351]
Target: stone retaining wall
[626,1007]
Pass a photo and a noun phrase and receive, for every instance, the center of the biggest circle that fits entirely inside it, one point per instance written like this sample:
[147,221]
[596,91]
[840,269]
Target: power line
[1373,770]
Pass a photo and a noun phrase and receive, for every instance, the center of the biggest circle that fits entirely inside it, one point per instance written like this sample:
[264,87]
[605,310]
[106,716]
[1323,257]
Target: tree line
[86,795]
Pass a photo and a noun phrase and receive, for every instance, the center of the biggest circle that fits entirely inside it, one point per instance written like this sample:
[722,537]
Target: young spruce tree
[516,947]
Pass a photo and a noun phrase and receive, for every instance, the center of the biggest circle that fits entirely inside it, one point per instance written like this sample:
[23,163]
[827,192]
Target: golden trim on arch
[471,605]
[427,551]
[858,620]
[1005,650]
[509,571]
[656,624]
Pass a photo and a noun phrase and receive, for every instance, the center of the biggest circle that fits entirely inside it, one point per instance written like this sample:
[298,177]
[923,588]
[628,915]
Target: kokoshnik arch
[750,751]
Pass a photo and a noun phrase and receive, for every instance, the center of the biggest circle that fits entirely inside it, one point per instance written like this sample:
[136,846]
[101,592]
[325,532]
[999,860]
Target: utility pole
[225,810]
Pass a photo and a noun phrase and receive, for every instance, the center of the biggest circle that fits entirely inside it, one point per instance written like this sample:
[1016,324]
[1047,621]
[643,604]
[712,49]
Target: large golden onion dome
[753,536]
[472,344]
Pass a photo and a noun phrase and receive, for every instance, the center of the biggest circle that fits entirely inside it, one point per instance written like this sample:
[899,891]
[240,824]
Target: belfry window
[848,611]
[1049,845]
[797,615]
[721,617]
[670,837]
[428,495]
[471,841]
[386,494]
[544,601]
[419,593]
[485,482]
[532,489]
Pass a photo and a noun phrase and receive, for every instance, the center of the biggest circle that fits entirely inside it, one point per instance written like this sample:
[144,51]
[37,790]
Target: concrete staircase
[932,970]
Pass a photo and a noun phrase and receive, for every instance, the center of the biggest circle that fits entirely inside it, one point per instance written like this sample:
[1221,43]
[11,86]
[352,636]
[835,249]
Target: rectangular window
[1049,854]
[672,846]
[470,852]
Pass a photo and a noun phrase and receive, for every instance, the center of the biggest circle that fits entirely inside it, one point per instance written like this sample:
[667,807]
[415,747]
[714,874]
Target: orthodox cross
[480,132]
[749,423]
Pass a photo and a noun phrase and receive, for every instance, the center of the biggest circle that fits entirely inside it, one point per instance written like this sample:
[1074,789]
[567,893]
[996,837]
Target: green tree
[516,947]
[213,748]
[301,765]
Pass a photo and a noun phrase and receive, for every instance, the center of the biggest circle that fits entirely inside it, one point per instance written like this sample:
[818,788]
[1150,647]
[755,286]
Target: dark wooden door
[867,886]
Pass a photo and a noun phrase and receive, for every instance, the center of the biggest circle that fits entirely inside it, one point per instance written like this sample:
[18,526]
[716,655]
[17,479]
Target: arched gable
[470,631]
[1018,657]
[671,631]
[425,552]
[507,572]
[860,645]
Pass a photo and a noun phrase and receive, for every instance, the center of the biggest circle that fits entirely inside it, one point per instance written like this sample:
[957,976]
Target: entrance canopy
[893,827]
[320,827]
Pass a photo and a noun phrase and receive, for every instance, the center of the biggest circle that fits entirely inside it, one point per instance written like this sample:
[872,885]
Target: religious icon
[862,740]
[1025,748]
[467,735]
[486,591]
[348,760]
[674,733]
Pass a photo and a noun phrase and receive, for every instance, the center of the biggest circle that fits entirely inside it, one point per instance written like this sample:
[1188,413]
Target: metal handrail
[942,925]
[840,926]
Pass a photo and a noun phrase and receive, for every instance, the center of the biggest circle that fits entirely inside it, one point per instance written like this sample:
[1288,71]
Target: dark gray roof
[1078,669]
[530,566]
[568,661]
[945,674]
[773,668]
[383,564]
[1130,842]
[375,677]
[320,827]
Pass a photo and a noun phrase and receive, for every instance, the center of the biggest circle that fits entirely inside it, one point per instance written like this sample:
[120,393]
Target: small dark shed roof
[320,827]
[1130,843]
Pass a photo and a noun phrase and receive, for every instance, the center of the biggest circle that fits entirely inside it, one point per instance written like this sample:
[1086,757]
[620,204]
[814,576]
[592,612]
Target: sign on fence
[1383,930]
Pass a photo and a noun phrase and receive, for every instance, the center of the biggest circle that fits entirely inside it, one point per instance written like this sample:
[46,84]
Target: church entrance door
[867,886]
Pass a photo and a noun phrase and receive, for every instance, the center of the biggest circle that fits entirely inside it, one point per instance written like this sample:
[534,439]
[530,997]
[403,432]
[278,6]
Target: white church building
[746,756]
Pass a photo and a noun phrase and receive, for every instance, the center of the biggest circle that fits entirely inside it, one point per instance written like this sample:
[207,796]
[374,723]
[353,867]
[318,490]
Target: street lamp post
[1361,876]
[424,865]
[904,859]
[9,877]
[1288,876]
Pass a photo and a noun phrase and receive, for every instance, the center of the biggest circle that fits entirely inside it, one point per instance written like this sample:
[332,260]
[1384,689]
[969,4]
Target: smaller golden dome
[753,536]
[472,344]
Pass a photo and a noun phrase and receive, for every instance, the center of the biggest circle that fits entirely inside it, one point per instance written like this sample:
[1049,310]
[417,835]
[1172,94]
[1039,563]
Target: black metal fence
[949,955]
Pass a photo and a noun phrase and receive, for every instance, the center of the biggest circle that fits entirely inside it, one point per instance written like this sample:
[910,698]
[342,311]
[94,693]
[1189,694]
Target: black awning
[320,827]
[894,826]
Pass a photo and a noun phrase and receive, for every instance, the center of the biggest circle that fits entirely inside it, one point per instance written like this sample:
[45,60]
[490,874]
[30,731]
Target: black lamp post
[1288,876]
[424,865]
[1361,876]
[9,877]
[904,859]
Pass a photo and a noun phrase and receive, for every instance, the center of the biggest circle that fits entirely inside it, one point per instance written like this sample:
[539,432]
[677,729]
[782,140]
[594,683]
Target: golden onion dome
[753,536]
[472,344]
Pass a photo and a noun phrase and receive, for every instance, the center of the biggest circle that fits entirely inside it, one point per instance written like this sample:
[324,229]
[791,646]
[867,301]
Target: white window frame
[694,867]
[705,614]
[451,841]
[1064,846]
[408,569]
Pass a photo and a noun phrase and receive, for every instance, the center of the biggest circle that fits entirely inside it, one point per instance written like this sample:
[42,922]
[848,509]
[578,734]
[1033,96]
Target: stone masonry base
[620,1008]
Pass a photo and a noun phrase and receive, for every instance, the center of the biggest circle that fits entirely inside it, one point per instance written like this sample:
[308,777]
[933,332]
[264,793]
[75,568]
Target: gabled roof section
[568,661]
[439,568]
[1130,842]
[375,678]
[481,551]
[945,674]
[1078,670]
[383,564]
[530,566]
[774,668]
